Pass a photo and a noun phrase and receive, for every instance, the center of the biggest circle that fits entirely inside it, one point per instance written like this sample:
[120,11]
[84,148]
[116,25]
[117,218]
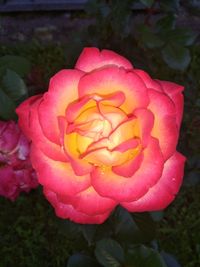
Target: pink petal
[112,79]
[62,91]
[109,184]
[57,176]
[128,168]
[68,212]
[89,202]
[91,58]
[174,90]
[165,127]
[149,82]
[145,124]
[163,192]
[23,112]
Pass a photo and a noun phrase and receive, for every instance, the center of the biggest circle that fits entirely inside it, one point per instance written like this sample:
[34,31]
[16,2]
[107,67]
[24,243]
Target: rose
[16,172]
[105,134]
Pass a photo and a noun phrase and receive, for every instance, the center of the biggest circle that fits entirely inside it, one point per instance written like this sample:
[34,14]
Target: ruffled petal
[165,128]
[109,184]
[91,58]
[69,212]
[149,82]
[23,112]
[174,90]
[62,91]
[50,149]
[128,168]
[89,202]
[163,192]
[57,176]
[112,79]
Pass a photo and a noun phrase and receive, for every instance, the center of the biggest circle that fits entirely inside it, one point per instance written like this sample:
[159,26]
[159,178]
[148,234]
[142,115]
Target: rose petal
[128,168]
[165,127]
[57,176]
[91,58]
[23,112]
[174,90]
[163,192]
[49,148]
[89,202]
[112,79]
[149,82]
[109,184]
[62,91]
[68,212]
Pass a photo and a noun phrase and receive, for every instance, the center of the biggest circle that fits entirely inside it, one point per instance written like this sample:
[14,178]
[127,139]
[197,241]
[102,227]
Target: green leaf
[109,253]
[166,23]
[157,215]
[7,107]
[13,85]
[79,260]
[176,56]
[170,260]
[135,228]
[149,38]
[181,36]
[18,64]
[145,257]
[147,3]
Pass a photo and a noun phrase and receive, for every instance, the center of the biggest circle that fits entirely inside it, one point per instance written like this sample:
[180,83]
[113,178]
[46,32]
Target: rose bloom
[105,134]
[16,172]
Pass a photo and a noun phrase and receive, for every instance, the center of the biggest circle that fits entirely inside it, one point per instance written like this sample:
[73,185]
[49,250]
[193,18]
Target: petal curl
[49,148]
[68,212]
[163,192]
[23,112]
[57,176]
[109,184]
[91,58]
[165,128]
[89,202]
[174,91]
[62,91]
[112,79]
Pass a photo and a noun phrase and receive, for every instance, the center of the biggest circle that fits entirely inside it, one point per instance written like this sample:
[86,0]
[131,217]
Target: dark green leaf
[166,23]
[18,64]
[7,107]
[79,260]
[147,3]
[181,36]
[145,257]
[149,38]
[13,85]
[157,215]
[109,253]
[176,56]
[135,228]
[170,260]
[170,5]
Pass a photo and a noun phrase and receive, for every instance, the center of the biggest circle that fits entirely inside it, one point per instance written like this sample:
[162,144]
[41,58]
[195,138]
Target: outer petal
[62,91]
[68,212]
[149,82]
[23,111]
[91,58]
[165,127]
[174,90]
[109,184]
[50,149]
[57,176]
[161,194]
[112,79]
[89,202]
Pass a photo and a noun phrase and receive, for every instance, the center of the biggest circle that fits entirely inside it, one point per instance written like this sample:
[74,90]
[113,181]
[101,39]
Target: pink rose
[16,172]
[105,134]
